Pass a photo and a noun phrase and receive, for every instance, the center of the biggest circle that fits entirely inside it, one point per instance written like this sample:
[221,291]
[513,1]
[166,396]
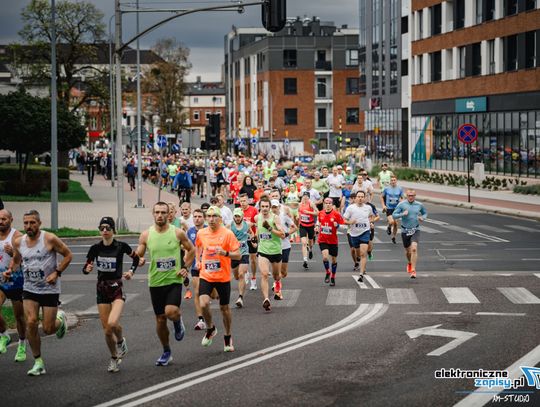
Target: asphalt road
[478,288]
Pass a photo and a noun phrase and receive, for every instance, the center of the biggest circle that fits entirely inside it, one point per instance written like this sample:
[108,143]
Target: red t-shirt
[235,190]
[257,195]
[249,216]
[328,228]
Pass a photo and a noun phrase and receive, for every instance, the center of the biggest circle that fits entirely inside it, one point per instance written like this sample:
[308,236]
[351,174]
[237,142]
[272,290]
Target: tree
[166,80]
[79,28]
[26,127]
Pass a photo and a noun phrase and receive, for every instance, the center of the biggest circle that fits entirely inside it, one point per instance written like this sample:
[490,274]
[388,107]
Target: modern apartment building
[301,84]
[476,61]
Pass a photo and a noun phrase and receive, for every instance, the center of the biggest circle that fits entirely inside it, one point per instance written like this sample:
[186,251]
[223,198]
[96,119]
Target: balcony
[323,65]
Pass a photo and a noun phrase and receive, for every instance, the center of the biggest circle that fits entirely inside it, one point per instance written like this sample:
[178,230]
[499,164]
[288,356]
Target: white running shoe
[253,285]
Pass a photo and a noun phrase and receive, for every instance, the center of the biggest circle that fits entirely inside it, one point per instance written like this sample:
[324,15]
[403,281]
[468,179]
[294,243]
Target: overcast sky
[203,33]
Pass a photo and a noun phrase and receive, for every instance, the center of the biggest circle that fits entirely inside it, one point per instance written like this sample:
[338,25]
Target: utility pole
[54,124]
[139,105]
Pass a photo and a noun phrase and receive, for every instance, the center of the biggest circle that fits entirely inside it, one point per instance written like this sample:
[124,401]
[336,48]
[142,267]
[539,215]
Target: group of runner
[210,244]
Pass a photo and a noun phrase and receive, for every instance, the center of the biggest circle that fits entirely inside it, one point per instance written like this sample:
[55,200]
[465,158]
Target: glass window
[459,13]
[289,86]
[530,49]
[491,56]
[352,86]
[291,116]
[436,19]
[489,11]
[478,7]
[510,7]
[511,53]
[321,117]
[436,66]
[289,58]
[353,115]
[420,69]
[530,4]
[351,57]
[476,60]
[321,88]
[462,53]
[420,18]
[196,115]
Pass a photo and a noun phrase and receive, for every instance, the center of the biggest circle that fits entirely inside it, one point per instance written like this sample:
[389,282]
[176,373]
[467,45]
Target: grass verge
[75,193]
[69,232]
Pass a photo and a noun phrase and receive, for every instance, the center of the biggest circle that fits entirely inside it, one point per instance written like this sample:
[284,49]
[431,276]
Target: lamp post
[139,104]
[54,124]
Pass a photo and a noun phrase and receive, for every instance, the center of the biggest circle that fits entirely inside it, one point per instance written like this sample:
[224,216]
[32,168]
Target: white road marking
[459,295]
[487,237]
[519,295]
[460,337]
[537,275]
[503,314]
[435,221]
[529,259]
[492,228]
[523,228]
[372,281]
[480,397]
[342,296]
[427,229]
[67,298]
[361,284]
[455,228]
[401,296]
[94,309]
[364,314]
[289,299]
[504,274]
[435,313]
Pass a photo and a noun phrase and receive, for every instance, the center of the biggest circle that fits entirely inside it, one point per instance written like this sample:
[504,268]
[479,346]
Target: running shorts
[332,248]
[108,291]
[223,289]
[165,295]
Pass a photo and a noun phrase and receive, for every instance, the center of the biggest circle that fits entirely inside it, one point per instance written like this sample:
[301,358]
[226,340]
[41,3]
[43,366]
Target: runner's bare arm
[141,248]
[279,229]
[61,248]
[16,258]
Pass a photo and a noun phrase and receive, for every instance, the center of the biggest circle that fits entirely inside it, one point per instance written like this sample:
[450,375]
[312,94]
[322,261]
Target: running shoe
[356,267]
[413,274]
[188,294]
[274,286]
[253,285]
[122,349]
[327,278]
[229,347]
[200,325]
[239,302]
[114,366]
[361,278]
[5,340]
[179,329]
[389,230]
[61,331]
[278,296]
[394,240]
[370,256]
[20,356]
[332,282]
[305,265]
[207,338]
[409,268]
[164,359]
[38,368]
[266,304]
[310,253]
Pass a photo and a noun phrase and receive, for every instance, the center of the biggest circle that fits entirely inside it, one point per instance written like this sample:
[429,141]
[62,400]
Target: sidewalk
[87,215]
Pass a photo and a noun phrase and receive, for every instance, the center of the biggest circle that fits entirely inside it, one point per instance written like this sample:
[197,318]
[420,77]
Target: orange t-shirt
[215,268]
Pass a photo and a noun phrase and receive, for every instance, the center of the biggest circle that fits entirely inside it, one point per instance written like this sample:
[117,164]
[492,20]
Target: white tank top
[286,223]
[4,257]
[38,263]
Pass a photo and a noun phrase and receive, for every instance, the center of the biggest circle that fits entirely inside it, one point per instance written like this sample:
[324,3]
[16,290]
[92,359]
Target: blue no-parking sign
[467,133]
[175,147]
[253,140]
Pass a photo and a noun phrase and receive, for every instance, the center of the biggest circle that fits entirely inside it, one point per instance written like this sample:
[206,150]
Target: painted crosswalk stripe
[519,295]
[492,228]
[372,281]
[537,275]
[459,295]
[401,296]
[342,296]
[94,309]
[434,313]
[503,314]
[435,221]
[360,283]
[523,228]
[67,298]
[289,298]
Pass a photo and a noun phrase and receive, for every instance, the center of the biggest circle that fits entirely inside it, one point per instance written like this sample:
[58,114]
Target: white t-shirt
[286,223]
[360,215]
[314,195]
[226,216]
[335,182]
[188,222]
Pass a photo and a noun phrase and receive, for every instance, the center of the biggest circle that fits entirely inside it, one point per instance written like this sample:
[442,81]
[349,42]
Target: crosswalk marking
[289,298]
[401,296]
[456,228]
[523,228]
[94,309]
[459,295]
[537,275]
[492,228]
[372,281]
[519,295]
[342,296]
[67,298]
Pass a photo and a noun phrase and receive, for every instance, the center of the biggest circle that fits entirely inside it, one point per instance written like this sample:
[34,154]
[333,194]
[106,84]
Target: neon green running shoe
[61,331]
[5,340]
[38,369]
[20,356]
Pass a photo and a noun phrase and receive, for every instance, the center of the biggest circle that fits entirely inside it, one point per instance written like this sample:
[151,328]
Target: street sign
[161,141]
[253,140]
[286,141]
[148,146]
[175,147]
[467,133]
[274,146]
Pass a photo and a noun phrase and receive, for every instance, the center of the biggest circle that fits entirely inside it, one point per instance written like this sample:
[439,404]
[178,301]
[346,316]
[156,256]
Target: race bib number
[212,266]
[167,264]
[326,230]
[304,218]
[106,264]
[265,236]
[35,275]
[411,231]
[361,225]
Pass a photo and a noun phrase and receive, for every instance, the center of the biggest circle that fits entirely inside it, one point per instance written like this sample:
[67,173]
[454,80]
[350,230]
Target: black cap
[205,205]
[306,193]
[107,220]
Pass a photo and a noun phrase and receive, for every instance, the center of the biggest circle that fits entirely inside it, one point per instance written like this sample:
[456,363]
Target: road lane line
[372,281]
[523,228]
[492,228]
[364,313]
[459,295]
[529,259]
[427,229]
[342,296]
[67,298]
[480,398]
[487,237]
[503,314]
[93,310]
[519,295]
[435,221]
[435,313]
[289,299]
[401,296]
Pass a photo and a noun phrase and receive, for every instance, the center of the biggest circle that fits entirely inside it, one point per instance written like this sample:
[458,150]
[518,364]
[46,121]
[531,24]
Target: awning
[95,134]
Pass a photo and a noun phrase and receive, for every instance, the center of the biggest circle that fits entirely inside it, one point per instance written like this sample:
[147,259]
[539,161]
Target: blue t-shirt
[347,195]
[392,196]
[192,235]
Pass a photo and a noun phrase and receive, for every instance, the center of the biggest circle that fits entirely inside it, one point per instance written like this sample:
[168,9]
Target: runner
[329,221]
[11,287]
[292,201]
[216,246]
[199,220]
[336,182]
[243,234]
[186,218]
[359,217]
[37,250]
[391,196]
[250,212]
[270,234]
[166,275]
[375,218]
[307,213]
[108,255]
[412,213]
[289,227]
[385,176]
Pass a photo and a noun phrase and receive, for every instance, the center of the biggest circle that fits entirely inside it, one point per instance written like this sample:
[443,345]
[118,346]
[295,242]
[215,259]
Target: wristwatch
[58,272]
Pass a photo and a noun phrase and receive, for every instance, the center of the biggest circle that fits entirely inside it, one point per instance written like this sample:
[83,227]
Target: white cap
[274,202]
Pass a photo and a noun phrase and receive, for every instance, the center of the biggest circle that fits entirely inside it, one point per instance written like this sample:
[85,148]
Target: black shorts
[272,258]
[336,201]
[389,211]
[308,231]
[408,239]
[371,234]
[243,260]
[252,249]
[285,253]
[332,248]
[165,295]
[14,294]
[108,291]
[194,272]
[223,290]
[44,300]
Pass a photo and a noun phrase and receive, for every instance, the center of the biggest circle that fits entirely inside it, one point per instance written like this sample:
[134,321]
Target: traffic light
[212,132]
[274,15]
[151,138]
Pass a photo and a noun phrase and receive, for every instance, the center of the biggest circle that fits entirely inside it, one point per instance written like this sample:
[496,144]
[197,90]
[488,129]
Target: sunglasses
[105,227]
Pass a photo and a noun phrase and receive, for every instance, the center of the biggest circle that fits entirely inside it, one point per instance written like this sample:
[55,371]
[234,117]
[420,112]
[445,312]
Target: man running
[166,274]
[306,214]
[270,234]
[289,227]
[108,255]
[37,250]
[199,219]
[250,212]
[336,182]
[243,234]
[11,288]
[411,213]
[216,246]
[329,221]
[385,176]
[391,196]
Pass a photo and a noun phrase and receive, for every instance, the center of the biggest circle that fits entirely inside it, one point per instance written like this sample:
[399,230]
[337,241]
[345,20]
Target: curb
[72,322]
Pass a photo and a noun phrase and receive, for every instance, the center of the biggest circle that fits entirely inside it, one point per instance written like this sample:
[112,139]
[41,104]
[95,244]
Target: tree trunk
[23,173]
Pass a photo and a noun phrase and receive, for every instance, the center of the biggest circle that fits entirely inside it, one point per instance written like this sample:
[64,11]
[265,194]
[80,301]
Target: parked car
[325,156]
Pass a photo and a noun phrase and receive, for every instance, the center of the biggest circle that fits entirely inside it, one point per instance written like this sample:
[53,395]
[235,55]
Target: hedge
[527,189]
[10,172]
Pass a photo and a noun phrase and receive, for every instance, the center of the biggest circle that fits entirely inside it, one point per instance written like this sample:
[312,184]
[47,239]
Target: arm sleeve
[126,249]
[423,211]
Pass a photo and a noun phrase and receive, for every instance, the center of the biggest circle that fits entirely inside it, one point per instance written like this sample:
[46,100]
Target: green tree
[26,124]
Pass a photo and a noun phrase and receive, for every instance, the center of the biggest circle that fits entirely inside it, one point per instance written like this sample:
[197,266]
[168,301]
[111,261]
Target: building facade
[475,61]
[300,84]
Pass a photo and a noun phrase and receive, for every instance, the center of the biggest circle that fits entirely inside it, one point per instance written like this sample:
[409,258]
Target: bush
[29,188]
[528,189]
[10,172]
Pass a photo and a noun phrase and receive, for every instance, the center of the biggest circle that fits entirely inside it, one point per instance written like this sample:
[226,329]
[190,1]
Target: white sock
[305,258]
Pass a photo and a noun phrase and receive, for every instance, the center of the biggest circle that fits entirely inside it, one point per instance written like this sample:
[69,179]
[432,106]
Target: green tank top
[269,243]
[165,262]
